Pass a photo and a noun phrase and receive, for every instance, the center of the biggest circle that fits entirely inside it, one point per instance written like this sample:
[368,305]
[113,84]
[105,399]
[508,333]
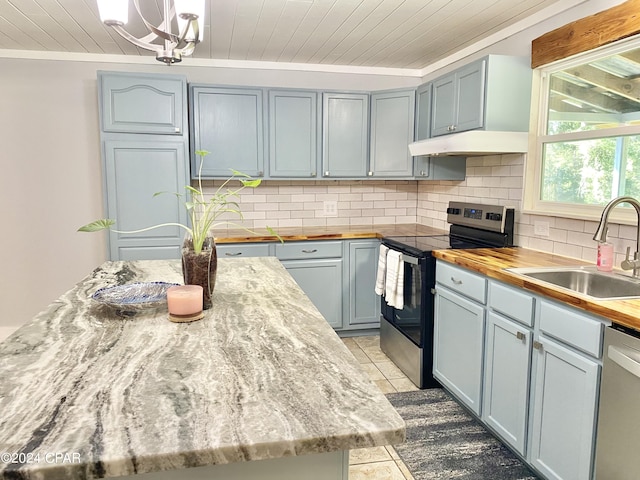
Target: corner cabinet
[345,135]
[392,126]
[228,123]
[144,151]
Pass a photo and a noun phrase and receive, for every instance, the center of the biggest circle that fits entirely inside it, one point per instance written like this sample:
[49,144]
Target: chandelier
[171,47]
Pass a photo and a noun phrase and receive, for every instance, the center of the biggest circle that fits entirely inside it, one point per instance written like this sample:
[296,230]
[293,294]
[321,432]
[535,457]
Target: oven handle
[411,260]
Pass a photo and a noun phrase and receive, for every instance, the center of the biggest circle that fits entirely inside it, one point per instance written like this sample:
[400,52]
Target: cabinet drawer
[572,327]
[243,250]
[511,302]
[460,280]
[301,250]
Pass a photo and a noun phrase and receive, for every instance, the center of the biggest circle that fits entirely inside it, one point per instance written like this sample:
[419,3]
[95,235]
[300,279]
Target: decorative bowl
[134,297]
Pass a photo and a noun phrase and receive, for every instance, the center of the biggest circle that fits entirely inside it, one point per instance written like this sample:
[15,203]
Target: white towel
[394,280]
[382,269]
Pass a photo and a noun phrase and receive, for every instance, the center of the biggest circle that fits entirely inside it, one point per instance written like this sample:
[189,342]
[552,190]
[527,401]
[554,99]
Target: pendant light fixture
[172,47]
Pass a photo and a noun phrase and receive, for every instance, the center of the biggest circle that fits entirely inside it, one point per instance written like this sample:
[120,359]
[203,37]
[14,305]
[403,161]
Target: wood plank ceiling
[376,33]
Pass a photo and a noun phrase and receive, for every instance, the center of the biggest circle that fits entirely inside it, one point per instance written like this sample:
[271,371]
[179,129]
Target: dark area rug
[445,442]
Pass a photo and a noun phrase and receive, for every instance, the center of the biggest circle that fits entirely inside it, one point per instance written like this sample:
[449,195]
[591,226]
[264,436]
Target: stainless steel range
[406,335]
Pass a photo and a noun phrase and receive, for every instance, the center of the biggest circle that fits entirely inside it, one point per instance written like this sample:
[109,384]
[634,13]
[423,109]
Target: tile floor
[377,463]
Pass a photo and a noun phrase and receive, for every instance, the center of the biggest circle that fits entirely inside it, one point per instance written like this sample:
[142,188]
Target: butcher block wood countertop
[493,262]
[338,232]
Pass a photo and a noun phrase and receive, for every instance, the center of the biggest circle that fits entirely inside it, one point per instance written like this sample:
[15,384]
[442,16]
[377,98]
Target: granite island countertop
[494,263]
[261,376]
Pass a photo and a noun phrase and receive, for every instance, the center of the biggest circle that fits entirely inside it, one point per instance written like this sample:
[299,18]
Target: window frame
[532,204]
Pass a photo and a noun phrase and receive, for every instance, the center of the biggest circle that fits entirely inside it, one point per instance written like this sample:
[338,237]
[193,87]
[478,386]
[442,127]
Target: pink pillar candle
[184,299]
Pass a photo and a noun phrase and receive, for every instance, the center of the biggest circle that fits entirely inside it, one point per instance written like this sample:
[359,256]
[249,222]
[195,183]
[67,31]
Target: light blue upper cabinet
[293,134]
[134,171]
[392,126]
[345,135]
[228,123]
[493,93]
[142,103]
[423,112]
[433,168]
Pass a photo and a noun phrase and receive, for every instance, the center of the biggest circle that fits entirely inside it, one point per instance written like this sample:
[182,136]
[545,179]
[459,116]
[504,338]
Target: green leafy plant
[203,213]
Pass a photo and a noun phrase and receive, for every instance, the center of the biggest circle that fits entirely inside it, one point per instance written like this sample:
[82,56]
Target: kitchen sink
[588,281]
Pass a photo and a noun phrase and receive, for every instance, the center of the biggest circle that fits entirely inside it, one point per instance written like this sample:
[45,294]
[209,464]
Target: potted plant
[199,259]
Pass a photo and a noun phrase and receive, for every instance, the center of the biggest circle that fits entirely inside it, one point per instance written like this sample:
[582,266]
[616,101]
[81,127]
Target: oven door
[410,321]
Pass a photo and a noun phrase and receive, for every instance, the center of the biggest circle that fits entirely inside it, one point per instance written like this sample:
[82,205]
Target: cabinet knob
[313,174]
[177,129]
[537,345]
[261,173]
[370,174]
[520,335]
[423,173]
[326,174]
[453,128]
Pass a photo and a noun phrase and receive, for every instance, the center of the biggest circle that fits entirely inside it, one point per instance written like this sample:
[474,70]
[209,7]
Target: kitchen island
[262,387]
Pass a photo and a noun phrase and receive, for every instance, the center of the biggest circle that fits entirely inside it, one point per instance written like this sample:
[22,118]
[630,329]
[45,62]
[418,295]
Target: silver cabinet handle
[233,254]
[520,335]
[456,282]
[310,251]
[538,346]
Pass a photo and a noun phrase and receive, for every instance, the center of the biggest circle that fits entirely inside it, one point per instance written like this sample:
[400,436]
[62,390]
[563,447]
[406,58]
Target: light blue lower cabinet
[241,250]
[506,379]
[564,410]
[360,280]
[458,346]
[321,280]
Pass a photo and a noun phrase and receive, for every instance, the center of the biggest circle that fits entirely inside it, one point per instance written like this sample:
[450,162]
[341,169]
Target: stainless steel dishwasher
[618,437]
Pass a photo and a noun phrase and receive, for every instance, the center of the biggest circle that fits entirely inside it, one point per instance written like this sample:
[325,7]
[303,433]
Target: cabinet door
[392,125]
[458,342]
[443,113]
[321,280]
[423,112]
[345,134]
[138,103]
[364,304]
[227,123]
[470,96]
[135,170]
[563,411]
[293,134]
[506,379]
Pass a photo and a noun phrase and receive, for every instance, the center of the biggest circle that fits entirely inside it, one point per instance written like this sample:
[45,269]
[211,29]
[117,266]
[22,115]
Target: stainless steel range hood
[472,143]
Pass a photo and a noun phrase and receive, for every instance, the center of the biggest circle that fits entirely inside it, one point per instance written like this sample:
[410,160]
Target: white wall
[51,167]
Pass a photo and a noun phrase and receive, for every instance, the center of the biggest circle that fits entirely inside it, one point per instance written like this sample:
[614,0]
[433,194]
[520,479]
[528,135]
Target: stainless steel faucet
[601,232]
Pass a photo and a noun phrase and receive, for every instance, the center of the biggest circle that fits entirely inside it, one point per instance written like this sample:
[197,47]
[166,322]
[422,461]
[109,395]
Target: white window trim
[531,204]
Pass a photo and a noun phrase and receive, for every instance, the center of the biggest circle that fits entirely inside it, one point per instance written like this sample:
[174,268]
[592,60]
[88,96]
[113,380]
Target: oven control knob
[453,211]
[494,216]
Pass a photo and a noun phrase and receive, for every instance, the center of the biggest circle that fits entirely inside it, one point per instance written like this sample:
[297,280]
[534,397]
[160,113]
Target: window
[587,148]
